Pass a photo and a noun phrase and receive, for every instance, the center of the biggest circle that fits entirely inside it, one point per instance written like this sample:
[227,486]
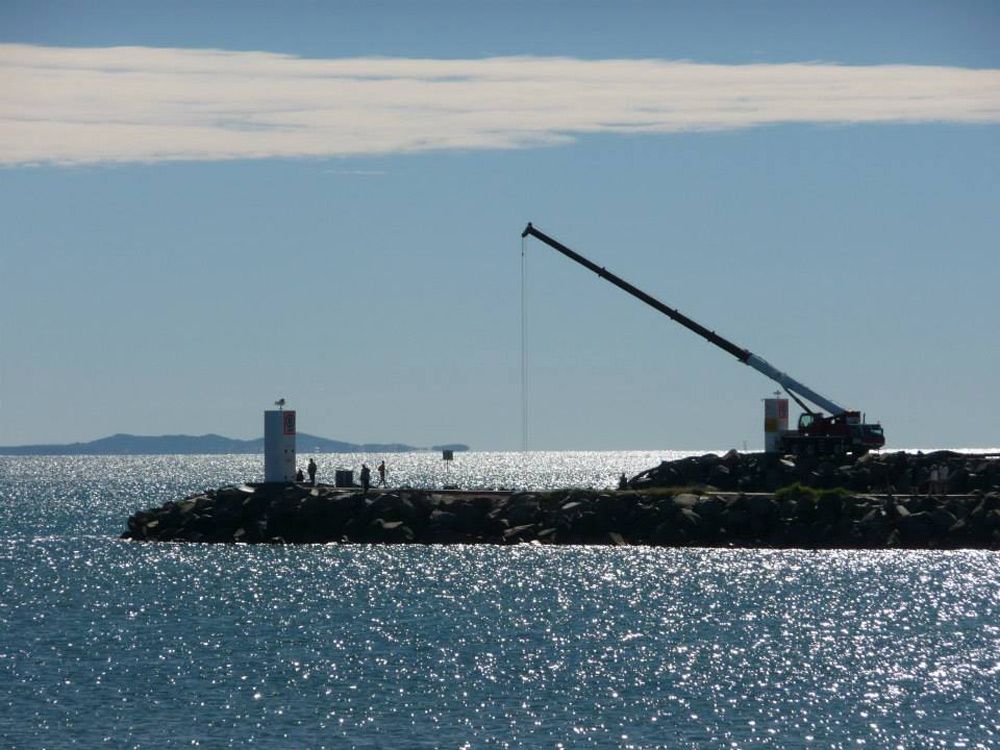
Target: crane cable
[524,348]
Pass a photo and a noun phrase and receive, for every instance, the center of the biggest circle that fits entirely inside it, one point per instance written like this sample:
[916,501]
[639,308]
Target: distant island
[150,445]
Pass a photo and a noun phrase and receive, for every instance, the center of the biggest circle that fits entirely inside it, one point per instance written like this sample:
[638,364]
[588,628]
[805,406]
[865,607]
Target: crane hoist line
[842,431]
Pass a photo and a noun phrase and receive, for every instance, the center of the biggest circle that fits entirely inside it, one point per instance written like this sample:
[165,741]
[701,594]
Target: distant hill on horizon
[150,445]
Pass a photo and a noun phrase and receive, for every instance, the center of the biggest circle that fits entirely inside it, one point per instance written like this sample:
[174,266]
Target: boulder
[521,510]
[916,529]
[942,520]
[721,476]
[689,521]
[710,507]
[991,522]
[614,509]
[829,506]
[685,500]
[443,523]
[736,523]
[548,536]
[524,533]
[471,512]
[390,532]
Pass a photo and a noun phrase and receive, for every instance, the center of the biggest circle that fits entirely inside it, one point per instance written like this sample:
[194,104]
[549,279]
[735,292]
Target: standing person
[312,472]
[366,478]
[943,479]
[381,474]
[623,482]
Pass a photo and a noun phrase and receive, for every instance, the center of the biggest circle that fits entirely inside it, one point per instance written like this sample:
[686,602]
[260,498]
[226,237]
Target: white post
[279,446]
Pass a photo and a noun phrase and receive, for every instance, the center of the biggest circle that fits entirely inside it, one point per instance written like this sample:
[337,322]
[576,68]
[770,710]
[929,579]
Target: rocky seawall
[892,473]
[681,511]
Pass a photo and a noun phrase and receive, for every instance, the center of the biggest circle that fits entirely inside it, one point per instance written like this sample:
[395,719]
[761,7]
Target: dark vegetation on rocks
[692,502]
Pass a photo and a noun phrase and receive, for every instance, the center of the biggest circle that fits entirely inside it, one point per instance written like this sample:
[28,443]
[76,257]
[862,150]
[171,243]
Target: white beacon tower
[279,444]
[775,422]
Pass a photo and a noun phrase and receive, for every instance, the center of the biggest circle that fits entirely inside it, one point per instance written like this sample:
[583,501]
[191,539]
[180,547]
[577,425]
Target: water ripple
[328,646]
[104,642]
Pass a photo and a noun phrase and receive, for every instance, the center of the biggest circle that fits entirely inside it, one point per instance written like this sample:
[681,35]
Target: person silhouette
[366,478]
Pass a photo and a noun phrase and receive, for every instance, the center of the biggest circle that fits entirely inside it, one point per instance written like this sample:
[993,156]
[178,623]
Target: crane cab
[842,433]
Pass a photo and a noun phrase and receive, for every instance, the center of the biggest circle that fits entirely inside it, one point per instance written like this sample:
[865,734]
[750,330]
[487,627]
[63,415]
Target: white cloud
[84,105]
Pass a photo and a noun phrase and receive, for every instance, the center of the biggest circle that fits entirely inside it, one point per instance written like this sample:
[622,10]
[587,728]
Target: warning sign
[288,425]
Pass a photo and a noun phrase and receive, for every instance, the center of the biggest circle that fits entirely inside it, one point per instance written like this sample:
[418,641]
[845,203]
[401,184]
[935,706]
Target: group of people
[365,475]
[937,482]
[311,468]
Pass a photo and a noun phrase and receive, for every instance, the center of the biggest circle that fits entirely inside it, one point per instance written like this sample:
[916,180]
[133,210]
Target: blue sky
[180,250]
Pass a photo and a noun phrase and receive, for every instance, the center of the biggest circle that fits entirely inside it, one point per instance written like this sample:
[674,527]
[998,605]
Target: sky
[208,206]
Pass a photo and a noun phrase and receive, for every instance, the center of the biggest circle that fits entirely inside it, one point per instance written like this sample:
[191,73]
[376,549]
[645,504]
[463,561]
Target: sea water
[106,643]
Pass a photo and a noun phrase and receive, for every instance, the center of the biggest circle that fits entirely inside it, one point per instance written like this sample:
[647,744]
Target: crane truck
[842,431]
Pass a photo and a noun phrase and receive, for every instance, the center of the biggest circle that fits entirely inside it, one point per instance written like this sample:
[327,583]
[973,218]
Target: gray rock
[736,522]
[685,500]
[689,520]
[710,507]
[443,520]
[391,532]
[522,510]
[523,533]
[916,529]
[942,520]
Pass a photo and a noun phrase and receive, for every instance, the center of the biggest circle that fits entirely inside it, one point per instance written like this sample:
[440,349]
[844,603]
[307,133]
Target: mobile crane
[841,432]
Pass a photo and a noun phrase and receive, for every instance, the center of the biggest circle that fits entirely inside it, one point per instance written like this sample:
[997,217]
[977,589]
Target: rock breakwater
[902,473]
[794,516]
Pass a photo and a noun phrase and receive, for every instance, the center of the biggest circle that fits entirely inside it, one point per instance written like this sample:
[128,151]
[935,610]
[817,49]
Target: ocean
[105,643]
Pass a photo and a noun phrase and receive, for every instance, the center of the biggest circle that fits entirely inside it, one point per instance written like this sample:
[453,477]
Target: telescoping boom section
[843,431]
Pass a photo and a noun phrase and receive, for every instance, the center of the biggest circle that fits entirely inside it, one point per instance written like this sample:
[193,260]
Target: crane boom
[743,355]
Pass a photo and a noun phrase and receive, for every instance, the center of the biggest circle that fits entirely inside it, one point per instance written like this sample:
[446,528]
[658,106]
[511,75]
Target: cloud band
[85,105]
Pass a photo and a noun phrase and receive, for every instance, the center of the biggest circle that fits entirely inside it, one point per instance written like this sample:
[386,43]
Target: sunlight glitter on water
[93,494]
[104,642]
[426,646]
